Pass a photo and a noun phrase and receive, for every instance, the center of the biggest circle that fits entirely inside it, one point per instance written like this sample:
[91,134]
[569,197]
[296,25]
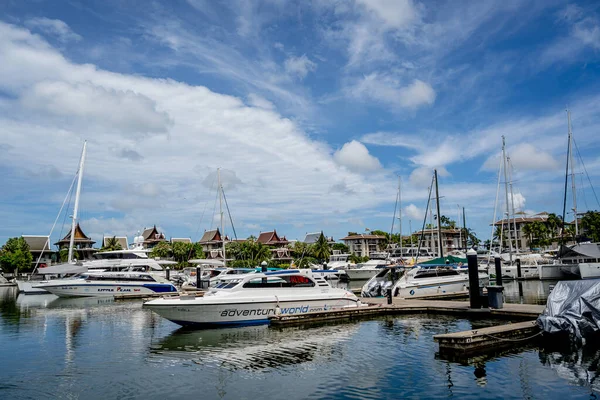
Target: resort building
[520,220]
[181,240]
[122,240]
[212,244]
[279,245]
[39,246]
[363,245]
[82,244]
[452,239]
[152,237]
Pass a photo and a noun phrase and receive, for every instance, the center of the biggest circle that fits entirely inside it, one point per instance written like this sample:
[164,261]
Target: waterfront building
[279,245]
[312,238]
[212,244]
[39,246]
[152,237]
[82,243]
[363,244]
[122,240]
[451,240]
[519,238]
[181,240]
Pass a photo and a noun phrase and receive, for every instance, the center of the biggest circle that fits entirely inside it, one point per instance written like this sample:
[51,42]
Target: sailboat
[28,286]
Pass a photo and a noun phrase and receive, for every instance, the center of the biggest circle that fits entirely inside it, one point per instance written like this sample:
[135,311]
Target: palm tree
[321,249]
[553,223]
[527,230]
[111,244]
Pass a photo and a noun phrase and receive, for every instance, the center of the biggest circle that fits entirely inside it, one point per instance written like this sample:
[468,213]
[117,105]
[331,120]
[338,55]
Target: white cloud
[299,67]
[260,102]
[120,109]
[394,139]
[393,13]
[355,156]
[54,27]
[519,201]
[524,157]
[203,130]
[414,212]
[390,92]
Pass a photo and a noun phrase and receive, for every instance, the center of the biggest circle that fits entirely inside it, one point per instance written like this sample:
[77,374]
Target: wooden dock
[379,306]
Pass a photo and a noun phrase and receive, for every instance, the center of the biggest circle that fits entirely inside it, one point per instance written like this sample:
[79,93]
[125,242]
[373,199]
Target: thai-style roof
[80,237]
[182,240]
[212,236]
[152,235]
[37,243]
[122,240]
[362,236]
[270,238]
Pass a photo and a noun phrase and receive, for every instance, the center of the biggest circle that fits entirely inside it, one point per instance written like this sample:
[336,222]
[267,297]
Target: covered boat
[573,310]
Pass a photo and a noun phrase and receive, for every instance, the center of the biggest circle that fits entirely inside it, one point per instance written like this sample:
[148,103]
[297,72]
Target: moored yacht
[253,298]
[93,284]
[366,270]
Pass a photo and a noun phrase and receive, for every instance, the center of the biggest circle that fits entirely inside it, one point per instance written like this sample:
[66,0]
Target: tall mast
[76,207]
[573,175]
[400,212]
[221,214]
[439,225]
[465,228]
[512,205]
[507,207]
[460,231]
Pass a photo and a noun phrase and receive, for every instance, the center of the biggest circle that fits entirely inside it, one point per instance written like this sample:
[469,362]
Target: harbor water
[100,349]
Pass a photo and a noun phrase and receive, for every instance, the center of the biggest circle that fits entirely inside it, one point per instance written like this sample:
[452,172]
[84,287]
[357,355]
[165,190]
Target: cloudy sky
[311,108]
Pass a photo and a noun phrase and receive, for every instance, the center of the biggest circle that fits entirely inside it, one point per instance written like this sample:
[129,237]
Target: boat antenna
[76,207]
[507,206]
[439,225]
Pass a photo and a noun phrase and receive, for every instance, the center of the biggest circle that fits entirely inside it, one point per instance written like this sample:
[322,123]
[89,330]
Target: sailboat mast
[221,214]
[439,225]
[573,175]
[465,228]
[512,205]
[400,212]
[507,206]
[76,207]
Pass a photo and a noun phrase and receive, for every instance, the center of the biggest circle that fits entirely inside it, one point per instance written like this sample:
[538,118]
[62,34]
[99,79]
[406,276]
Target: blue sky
[311,108]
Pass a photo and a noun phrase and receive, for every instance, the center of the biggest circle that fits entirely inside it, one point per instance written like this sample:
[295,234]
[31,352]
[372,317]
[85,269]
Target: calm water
[88,348]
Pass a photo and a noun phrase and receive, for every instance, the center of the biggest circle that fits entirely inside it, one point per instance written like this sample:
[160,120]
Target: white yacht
[253,298]
[94,284]
[420,280]
[366,270]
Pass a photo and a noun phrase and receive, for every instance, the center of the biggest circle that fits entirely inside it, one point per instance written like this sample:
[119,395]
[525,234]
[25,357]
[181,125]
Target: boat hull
[510,272]
[77,289]
[589,270]
[430,287]
[27,287]
[361,274]
[551,271]
[201,314]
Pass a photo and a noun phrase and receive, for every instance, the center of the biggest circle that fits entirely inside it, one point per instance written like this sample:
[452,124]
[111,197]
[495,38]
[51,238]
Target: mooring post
[263,269]
[168,273]
[198,277]
[518,268]
[498,265]
[325,267]
[475,301]
[389,295]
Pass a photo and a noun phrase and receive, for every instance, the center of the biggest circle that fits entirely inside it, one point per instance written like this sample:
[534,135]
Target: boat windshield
[280,281]
[228,284]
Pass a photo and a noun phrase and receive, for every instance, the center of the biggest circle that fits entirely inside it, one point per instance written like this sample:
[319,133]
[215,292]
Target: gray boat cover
[573,307]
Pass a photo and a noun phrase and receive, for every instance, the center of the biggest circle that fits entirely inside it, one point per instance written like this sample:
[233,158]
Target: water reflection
[579,366]
[527,292]
[256,348]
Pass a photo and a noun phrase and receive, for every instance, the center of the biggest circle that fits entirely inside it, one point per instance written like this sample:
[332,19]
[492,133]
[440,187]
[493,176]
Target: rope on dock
[513,340]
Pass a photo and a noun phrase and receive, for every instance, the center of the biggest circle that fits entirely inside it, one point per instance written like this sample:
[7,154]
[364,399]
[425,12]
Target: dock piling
[474,297]
[198,277]
[519,275]
[263,268]
[168,273]
[498,268]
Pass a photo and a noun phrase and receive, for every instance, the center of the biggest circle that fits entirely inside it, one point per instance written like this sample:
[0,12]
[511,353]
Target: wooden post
[198,278]
[168,273]
[498,265]
[475,301]
[519,268]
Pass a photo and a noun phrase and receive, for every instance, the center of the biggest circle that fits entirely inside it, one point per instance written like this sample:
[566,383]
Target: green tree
[15,255]
[161,250]
[352,233]
[182,252]
[446,222]
[341,247]
[321,248]
[112,244]
[591,225]
[554,222]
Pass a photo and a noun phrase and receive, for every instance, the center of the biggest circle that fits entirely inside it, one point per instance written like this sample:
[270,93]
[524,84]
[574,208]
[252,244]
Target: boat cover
[442,260]
[573,307]
[61,269]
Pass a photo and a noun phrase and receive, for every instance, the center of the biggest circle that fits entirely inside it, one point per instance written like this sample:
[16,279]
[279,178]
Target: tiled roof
[362,236]
[182,240]
[37,243]
[210,236]
[122,240]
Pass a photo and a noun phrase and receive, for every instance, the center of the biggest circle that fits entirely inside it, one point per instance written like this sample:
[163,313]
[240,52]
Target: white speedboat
[419,281]
[253,298]
[589,270]
[92,284]
[366,270]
